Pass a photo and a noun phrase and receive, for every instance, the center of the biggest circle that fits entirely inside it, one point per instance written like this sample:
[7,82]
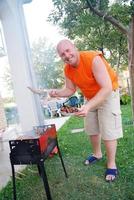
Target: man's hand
[83,111]
[53,93]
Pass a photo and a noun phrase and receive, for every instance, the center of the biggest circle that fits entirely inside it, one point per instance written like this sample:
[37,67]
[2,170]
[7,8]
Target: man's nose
[66,54]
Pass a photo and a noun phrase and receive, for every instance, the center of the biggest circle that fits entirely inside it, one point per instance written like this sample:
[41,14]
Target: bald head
[65,42]
[68,52]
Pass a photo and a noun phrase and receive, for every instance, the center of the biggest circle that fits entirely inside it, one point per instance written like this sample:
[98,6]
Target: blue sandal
[91,160]
[112,172]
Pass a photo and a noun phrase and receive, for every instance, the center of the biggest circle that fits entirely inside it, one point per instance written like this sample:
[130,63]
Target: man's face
[68,53]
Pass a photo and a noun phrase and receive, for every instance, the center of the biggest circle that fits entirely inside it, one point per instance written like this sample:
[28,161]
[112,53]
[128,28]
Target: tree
[69,12]
[7,78]
[128,32]
[89,31]
[48,69]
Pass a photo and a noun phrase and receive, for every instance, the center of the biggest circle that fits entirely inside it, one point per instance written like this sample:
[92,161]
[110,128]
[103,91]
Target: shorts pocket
[117,118]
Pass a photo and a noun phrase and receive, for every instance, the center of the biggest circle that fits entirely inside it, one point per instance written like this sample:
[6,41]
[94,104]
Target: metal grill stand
[35,151]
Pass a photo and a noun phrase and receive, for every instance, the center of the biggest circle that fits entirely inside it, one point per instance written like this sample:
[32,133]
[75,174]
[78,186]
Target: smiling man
[92,74]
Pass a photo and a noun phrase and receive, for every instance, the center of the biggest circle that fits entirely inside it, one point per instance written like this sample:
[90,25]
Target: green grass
[84,182]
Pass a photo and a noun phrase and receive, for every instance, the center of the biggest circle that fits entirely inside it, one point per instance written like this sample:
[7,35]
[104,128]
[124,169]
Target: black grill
[35,151]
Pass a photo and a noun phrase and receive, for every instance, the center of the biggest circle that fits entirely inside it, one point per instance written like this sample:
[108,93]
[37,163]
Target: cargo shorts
[106,119]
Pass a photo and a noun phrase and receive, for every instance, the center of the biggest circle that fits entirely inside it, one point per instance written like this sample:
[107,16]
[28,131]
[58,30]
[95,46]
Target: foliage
[7,78]
[8,100]
[83,182]
[125,99]
[131,2]
[48,69]
[11,113]
[90,31]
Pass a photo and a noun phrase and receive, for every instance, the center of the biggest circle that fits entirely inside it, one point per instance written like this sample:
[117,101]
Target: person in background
[93,75]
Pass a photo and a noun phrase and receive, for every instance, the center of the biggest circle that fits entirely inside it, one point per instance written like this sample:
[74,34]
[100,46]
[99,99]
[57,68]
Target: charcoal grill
[35,151]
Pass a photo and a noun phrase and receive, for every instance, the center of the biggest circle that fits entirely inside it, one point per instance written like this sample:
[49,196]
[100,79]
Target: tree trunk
[128,86]
[131,61]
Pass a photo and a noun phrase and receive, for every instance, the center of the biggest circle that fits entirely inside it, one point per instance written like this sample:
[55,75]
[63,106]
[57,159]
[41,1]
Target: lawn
[84,182]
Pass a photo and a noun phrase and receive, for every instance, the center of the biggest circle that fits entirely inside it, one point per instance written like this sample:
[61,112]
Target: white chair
[54,110]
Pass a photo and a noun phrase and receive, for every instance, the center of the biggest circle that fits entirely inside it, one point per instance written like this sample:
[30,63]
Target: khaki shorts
[106,119]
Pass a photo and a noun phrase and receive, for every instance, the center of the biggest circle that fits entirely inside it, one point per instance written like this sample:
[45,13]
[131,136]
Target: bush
[11,115]
[125,99]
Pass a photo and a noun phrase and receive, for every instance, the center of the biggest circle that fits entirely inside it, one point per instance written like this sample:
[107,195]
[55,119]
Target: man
[91,73]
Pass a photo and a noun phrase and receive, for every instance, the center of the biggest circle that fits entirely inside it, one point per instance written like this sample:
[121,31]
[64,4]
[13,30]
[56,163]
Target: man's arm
[37,91]
[103,79]
[68,90]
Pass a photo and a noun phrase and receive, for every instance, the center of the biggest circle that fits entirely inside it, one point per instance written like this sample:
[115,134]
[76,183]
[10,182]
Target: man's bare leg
[96,145]
[111,146]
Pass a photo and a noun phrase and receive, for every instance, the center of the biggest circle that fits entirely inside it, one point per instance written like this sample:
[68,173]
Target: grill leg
[42,170]
[60,155]
[13,179]
[39,169]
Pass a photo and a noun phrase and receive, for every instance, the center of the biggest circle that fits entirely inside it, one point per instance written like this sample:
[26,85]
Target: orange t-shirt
[82,76]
